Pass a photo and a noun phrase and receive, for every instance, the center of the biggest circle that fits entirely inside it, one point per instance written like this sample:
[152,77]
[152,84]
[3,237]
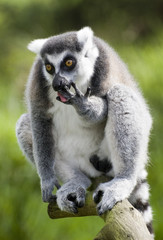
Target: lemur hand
[77,98]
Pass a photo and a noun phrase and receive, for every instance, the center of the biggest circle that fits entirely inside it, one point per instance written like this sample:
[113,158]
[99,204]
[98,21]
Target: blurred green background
[135,29]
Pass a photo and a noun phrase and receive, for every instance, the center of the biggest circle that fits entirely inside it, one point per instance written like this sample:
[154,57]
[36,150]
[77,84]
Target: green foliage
[135,30]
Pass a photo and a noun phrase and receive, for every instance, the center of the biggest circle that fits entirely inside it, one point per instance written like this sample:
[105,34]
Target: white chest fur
[75,141]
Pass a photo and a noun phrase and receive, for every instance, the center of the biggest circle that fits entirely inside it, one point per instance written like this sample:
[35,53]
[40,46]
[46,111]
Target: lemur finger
[77,91]
[70,205]
[106,205]
[88,92]
[73,208]
[70,94]
[80,200]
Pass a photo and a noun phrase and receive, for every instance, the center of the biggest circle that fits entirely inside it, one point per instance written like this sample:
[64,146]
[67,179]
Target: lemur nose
[59,82]
[57,86]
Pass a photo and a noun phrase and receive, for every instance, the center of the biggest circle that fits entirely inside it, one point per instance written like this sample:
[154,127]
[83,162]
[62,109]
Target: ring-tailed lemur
[100,114]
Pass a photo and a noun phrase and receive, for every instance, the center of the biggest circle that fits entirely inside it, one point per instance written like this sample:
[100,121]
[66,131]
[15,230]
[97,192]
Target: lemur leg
[71,195]
[139,198]
[24,136]
[127,133]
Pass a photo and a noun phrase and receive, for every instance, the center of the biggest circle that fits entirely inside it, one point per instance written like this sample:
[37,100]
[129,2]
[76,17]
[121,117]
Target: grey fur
[65,41]
[103,113]
[24,136]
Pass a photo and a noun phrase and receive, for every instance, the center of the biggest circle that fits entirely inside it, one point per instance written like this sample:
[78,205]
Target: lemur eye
[69,63]
[49,68]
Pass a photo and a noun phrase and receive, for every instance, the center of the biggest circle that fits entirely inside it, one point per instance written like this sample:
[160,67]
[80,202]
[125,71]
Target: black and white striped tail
[140,200]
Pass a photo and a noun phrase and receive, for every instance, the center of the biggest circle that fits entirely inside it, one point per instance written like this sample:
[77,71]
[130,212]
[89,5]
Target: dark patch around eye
[52,71]
[68,68]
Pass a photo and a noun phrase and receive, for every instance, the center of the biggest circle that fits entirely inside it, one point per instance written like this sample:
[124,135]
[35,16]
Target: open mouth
[61,97]
[63,93]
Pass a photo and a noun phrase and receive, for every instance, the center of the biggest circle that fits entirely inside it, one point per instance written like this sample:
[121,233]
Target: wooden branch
[123,222]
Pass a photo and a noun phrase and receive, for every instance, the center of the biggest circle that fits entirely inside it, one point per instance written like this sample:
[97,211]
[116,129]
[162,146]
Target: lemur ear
[85,36]
[36,45]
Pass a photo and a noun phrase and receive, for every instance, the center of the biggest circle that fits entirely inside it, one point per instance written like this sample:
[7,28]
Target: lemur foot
[70,197]
[104,198]
[108,194]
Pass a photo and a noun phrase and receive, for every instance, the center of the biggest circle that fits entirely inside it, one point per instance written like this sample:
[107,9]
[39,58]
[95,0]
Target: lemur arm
[126,132]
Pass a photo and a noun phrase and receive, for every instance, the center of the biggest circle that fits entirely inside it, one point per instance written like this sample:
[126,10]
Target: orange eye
[48,67]
[69,63]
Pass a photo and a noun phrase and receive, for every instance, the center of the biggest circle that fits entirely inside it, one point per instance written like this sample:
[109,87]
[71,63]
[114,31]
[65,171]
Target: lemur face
[67,58]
